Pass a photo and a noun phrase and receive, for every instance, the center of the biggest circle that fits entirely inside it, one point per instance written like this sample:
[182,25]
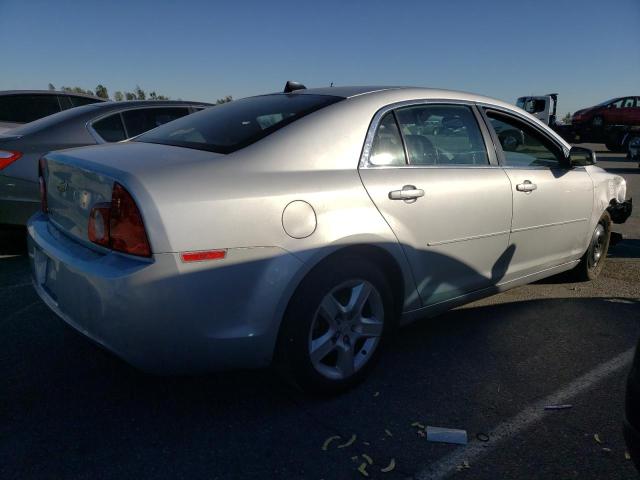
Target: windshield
[235,125]
[607,102]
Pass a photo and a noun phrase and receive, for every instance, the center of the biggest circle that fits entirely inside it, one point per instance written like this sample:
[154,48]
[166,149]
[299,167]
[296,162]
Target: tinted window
[110,128]
[617,104]
[629,102]
[141,120]
[522,145]
[65,103]
[79,101]
[387,146]
[234,125]
[27,108]
[442,135]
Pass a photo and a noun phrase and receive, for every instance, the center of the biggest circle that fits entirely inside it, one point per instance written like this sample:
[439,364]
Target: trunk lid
[77,179]
[72,191]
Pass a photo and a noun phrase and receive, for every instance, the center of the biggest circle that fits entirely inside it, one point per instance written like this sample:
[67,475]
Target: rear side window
[79,101]
[65,102]
[142,120]
[387,146]
[234,125]
[442,135]
[110,128]
[27,108]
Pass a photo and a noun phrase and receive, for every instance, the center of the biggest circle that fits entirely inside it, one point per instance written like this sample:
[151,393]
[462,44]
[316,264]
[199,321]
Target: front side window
[522,145]
[442,135]
[629,102]
[110,128]
[235,125]
[142,120]
[387,146]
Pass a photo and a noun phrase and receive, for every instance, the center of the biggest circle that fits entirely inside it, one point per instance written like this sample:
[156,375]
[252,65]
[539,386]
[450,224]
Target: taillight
[118,225]
[7,157]
[42,168]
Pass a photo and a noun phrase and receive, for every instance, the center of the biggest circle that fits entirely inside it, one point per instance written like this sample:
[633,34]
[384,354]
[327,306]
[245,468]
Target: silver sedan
[300,227]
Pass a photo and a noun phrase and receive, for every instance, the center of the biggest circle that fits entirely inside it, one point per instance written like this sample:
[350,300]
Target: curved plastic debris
[367,458]
[390,467]
[328,441]
[349,442]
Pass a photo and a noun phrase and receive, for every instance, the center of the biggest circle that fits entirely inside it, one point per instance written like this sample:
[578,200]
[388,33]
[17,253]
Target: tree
[226,99]
[140,93]
[101,91]
[51,87]
[118,96]
[129,95]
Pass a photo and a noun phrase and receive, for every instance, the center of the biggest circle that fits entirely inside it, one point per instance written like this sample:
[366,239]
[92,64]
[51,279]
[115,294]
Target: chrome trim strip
[555,224]
[464,239]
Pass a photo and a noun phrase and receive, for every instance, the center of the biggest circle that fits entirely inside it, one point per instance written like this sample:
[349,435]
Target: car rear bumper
[162,315]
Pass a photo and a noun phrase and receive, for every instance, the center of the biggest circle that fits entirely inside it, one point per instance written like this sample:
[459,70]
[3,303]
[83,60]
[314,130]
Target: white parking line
[475,450]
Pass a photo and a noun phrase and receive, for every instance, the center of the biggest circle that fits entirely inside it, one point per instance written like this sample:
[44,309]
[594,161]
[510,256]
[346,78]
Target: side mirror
[581,157]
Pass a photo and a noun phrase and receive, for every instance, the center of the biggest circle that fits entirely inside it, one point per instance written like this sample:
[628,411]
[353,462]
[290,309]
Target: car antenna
[293,86]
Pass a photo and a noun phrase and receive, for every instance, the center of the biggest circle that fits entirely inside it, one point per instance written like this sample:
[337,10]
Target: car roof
[51,92]
[373,92]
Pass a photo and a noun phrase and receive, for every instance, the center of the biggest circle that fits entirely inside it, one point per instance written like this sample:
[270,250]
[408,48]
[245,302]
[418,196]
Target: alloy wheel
[346,329]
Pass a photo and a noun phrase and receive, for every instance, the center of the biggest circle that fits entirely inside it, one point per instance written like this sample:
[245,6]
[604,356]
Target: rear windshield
[234,125]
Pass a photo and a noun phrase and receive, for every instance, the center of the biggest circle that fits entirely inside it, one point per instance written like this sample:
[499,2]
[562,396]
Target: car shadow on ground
[72,409]
[13,240]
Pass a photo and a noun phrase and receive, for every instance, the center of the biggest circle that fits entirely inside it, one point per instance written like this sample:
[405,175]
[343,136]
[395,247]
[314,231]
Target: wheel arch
[389,258]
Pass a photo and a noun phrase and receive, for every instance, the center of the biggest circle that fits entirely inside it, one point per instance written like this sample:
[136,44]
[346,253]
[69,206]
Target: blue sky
[586,50]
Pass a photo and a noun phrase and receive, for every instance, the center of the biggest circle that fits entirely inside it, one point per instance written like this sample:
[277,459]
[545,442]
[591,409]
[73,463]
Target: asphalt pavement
[70,410]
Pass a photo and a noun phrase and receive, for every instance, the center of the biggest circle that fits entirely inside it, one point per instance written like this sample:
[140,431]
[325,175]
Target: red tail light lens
[118,225]
[7,157]
[126,229]
[42,168]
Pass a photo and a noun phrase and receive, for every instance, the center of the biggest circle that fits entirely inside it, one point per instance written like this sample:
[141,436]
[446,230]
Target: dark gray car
[18,107]
[21,147]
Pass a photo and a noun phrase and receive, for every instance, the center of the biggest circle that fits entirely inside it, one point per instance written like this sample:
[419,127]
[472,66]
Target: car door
[428,170]
[551,202]
[626,113]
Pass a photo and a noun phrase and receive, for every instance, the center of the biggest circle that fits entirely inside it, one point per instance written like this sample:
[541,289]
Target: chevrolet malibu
[299,228]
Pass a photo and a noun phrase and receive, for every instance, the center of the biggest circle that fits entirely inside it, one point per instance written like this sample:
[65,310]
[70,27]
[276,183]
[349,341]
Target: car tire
[593,260]
[327,344]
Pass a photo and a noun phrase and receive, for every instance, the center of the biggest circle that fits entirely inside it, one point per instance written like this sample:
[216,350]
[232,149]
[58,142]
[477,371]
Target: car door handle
[526,186]
[409,194]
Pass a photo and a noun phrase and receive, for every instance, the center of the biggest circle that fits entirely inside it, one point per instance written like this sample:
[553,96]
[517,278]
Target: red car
[618,111]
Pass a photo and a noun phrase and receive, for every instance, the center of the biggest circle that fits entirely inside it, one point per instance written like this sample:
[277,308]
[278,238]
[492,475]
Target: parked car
[98,123]
[634,149]
[302,226]
[632,417]
[618,111]
[23,106]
